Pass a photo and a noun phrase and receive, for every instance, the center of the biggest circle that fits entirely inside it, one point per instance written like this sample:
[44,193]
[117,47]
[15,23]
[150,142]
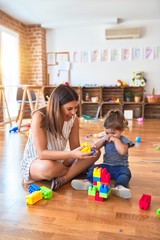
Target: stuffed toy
[121,83]
[138,79]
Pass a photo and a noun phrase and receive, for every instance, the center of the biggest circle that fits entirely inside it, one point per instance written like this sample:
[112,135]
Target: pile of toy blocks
[101,188]
[37,193]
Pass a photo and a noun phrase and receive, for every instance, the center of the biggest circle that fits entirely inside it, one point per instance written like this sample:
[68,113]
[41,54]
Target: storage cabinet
[91,100]
[91,95]
[112,95]
[112,98]
[97,101]
[152,110]
[135,102]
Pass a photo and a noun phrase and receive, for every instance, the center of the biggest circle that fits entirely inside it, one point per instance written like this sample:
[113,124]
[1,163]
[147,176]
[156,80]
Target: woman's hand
[81,155]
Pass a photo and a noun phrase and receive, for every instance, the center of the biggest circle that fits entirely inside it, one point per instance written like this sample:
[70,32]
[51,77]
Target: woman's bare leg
[46,170]
[68,162]
[78,166]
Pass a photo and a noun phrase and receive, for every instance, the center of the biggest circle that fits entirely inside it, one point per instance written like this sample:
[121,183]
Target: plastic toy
[140,119]
[144,201]
[158,211]
[37,193]
[13,129]
[46,192]
[86,116]
[138,139]
[121,83]
[157,148]
[126,122]
[67,83]
[138,79]
[34,197]
[100,189]
[34,187]
[87,148]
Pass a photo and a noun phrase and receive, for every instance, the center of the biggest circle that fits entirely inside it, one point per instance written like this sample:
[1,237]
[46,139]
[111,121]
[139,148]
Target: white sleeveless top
[30,152]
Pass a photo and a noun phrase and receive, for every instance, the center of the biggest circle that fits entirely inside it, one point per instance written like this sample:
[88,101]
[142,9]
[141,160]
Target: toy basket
[150,98]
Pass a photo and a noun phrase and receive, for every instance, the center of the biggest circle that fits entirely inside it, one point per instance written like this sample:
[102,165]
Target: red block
[144,201]
[98,198]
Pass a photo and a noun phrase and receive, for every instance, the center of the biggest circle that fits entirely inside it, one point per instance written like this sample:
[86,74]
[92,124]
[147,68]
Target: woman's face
[69,109]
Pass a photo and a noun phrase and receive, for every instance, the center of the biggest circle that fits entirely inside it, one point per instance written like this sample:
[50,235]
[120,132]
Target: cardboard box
[128,114]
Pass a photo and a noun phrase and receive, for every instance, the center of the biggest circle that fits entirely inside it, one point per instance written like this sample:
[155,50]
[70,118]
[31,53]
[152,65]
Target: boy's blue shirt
[112,157]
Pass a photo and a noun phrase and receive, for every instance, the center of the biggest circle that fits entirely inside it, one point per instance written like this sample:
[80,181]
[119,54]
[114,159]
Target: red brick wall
[36,49]
[33,69]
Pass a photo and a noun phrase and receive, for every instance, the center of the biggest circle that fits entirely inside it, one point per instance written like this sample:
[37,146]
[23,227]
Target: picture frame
[51,59]
[61,57]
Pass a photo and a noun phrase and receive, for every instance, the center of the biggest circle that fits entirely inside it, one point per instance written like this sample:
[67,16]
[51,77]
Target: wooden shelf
[152,110]
[111,98]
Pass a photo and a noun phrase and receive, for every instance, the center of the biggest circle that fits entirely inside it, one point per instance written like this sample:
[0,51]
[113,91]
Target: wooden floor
[69,214]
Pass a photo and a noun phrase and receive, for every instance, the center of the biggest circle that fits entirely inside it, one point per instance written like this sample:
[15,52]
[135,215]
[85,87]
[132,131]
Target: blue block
[34,187]
[104,188]
[13,129]
[96,179]
[93,151]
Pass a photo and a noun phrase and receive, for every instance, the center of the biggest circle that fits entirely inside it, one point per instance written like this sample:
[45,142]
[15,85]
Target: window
[9,50]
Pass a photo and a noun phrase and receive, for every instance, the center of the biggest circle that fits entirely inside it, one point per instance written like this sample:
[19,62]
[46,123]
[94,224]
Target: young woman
[115,158]
[45,155]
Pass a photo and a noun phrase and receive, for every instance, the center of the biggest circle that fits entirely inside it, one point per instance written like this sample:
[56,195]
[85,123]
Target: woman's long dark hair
[53,116]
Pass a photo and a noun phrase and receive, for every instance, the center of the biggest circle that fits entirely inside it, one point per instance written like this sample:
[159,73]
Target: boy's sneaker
[122,192]
[80,184]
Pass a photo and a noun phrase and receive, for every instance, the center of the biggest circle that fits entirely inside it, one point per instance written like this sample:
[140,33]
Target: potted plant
[128,96]
[137,97]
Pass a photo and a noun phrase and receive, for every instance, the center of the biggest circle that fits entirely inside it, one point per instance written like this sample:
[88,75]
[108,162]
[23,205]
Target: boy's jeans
[121,174]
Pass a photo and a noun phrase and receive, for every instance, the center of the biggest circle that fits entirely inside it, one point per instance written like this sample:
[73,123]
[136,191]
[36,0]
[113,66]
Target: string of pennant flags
[116,54]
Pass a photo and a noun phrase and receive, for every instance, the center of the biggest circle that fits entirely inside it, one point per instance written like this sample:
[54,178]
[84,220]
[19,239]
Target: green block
[105,195]
[158,211]
[47,193]
[92,190]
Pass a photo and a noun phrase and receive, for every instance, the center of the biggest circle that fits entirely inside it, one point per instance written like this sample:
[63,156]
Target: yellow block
[86,148]
[34,197]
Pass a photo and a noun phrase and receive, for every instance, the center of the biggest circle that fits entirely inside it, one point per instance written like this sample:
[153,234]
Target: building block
[92,190]
[33,188]
[105,195]
[103,172]
[87,148]
[144,201]
[97,172]
[100,190]
[13,129]
[98,198]
[106,179]
[105,191]
[104,188]
[158,211]
[98,184]
[96,179]
[34,197]
[91,197]
[47,193]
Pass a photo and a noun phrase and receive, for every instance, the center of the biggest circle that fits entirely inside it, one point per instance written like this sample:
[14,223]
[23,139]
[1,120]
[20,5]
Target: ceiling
[60,13]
